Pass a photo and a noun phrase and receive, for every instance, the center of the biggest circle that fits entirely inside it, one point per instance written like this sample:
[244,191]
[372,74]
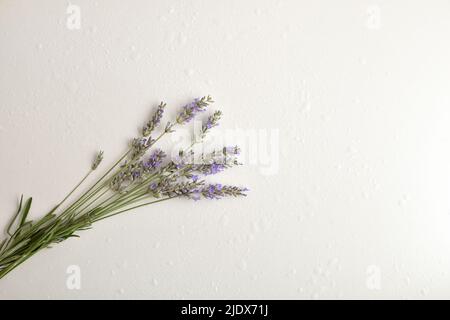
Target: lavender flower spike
[213,168]
[211,122]
[155,160]
[97,160]
[217,191]
[154,122]
[190,110]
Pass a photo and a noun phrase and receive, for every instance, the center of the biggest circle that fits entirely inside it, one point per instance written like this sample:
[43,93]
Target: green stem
[135,207]
[74,189]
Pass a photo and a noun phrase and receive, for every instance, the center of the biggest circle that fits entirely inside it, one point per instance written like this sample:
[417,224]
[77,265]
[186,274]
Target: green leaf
[15,216]
[25,227]
[2,244]
[26,209]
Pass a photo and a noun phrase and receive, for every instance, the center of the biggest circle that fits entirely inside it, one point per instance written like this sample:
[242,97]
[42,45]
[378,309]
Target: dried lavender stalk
[135,180]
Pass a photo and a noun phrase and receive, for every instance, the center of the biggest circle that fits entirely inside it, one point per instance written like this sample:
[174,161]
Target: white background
[349,102]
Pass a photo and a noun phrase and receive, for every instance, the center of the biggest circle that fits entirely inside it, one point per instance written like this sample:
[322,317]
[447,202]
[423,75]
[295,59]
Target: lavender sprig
[135,180]
[155,121]
[190,110]
[97,161]
[211,122]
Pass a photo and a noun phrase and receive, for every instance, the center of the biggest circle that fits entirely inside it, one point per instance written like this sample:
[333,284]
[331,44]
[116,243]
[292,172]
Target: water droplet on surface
[183,39]
[305,100]
[255,227]
[225,219]
[155,282]
[243,265]
[407,280]
[121,291]
[266,224]
[333,262]
[189,72]
[93,29]
[319,270]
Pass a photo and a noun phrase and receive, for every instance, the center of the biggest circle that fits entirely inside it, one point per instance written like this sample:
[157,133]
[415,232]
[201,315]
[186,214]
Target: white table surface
[342,109]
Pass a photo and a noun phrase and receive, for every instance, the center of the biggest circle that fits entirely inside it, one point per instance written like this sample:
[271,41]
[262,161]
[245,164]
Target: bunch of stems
[98,202]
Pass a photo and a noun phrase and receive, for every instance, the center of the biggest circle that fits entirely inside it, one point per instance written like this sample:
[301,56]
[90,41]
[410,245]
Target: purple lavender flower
[155,160]
[212,121]
[210,168]
[195,195]
[215,168]
[153,186]
[190,110]
[140,146]
[217,191]
[155,121]
[212,191]
[136,174]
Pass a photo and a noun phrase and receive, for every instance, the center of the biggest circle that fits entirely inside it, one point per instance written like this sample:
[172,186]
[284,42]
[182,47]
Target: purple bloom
[153,186]
[158,114]
[155,121]
[210,169]
[190,110]
[155,160]
[212,191]
[136,174]
[217,191]
[140,146]
[179,162]
[195,195]
[211,122]
[216,168]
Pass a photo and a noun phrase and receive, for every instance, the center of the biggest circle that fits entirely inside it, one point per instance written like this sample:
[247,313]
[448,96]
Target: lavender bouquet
[142,176]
